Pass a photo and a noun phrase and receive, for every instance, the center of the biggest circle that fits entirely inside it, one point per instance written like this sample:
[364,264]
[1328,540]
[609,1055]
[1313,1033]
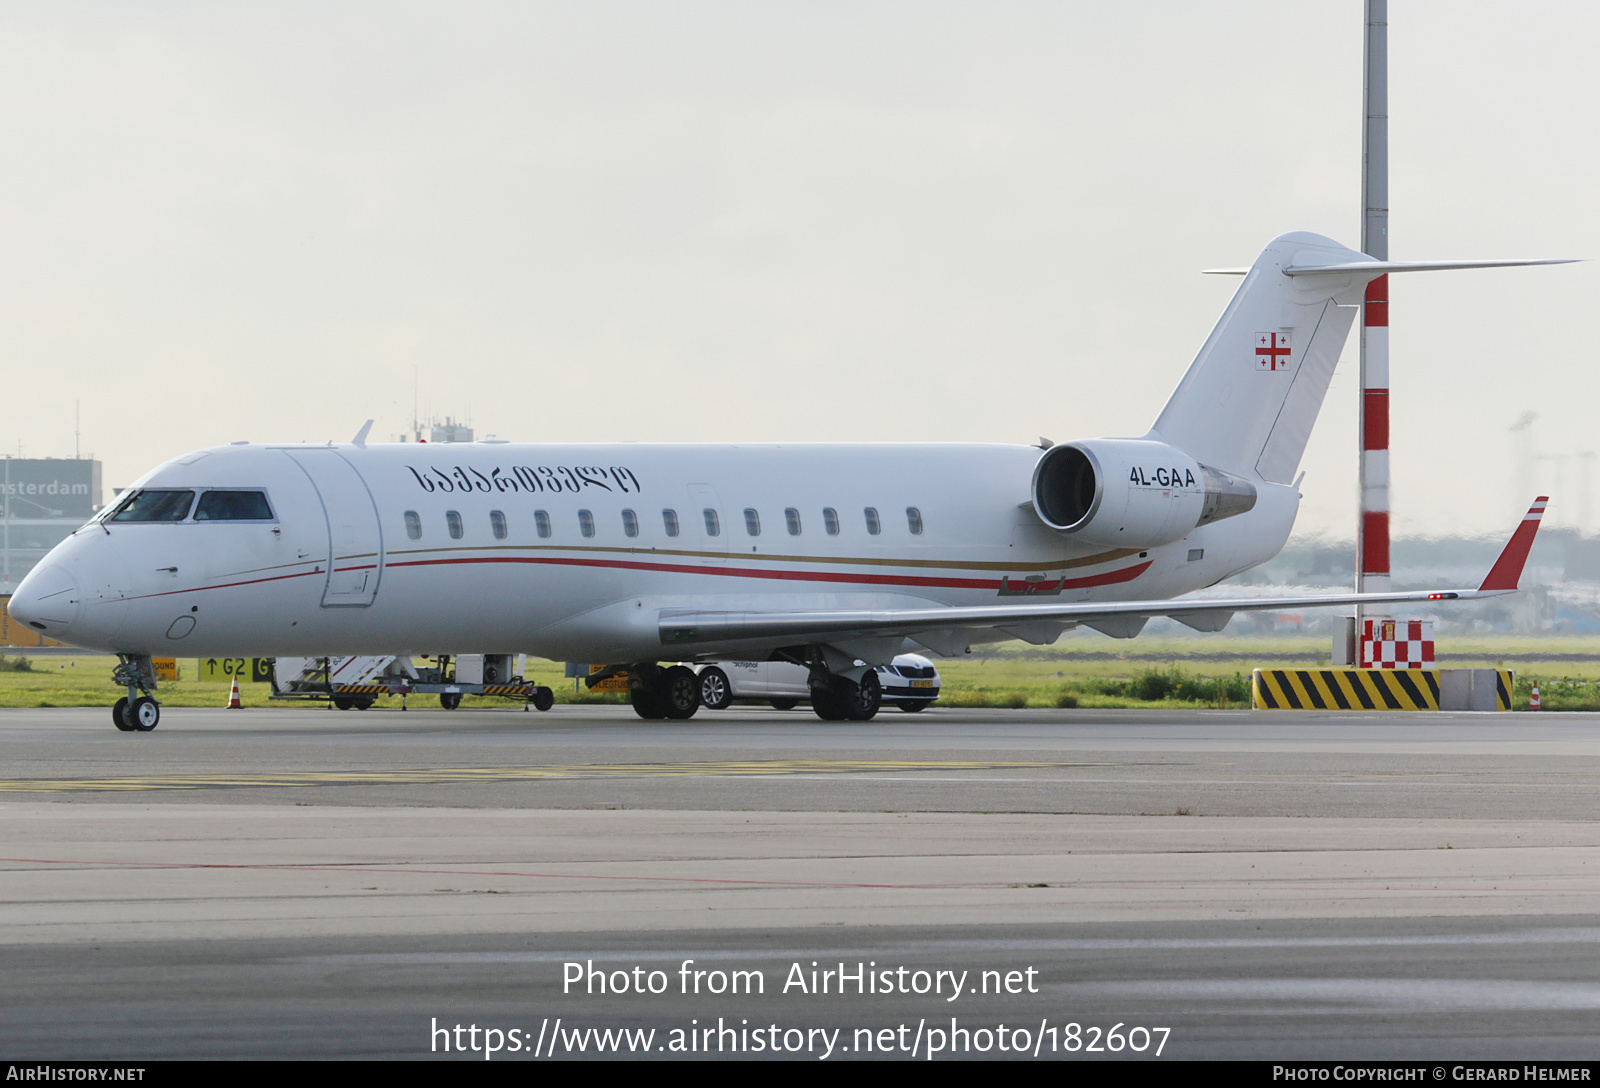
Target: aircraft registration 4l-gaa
[831,556]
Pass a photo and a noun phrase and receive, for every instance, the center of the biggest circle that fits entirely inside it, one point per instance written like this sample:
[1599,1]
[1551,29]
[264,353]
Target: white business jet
[829,556]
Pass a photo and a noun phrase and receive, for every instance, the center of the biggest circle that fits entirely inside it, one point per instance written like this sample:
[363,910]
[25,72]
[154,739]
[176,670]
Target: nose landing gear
[138,711]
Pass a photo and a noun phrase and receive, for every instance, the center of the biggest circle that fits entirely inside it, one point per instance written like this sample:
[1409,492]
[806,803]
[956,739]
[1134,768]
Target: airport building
[42,500]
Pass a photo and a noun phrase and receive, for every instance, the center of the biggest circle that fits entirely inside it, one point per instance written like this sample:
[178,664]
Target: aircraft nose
[47,600]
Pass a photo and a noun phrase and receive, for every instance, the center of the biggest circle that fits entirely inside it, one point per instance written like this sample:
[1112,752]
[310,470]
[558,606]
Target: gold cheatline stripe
[511,774]
[861,561]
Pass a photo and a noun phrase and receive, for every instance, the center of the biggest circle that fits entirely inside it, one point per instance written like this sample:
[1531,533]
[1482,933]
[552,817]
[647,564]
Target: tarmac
[299,882]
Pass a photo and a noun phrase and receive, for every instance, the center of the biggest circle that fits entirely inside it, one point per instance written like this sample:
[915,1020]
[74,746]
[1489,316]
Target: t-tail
[1250,398]
[1240,418]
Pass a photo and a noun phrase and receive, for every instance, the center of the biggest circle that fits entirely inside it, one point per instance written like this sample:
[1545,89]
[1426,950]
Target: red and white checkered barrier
[1396,644]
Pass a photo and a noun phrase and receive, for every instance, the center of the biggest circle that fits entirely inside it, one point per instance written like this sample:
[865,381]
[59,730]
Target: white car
[910,682]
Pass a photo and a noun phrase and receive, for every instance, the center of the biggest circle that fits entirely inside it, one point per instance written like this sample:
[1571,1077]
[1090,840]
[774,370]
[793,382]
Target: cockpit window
[233,506]
[154,506]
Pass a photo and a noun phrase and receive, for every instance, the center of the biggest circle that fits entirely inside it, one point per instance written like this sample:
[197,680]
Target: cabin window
[713,523]
[630,523]
[914,520]
[497,523]
[452,520]
[154,506]
[874,526]
[541,523]
[830,520]
[413,525]
[585,523]
[752,521]
[233,506]
[791,517]
[669,521]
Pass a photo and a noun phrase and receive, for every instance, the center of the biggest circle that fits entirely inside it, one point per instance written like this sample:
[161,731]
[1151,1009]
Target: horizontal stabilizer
[1369,267]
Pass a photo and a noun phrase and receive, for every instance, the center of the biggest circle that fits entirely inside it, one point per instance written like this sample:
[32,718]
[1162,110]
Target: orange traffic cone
[235,704]
[1533,700]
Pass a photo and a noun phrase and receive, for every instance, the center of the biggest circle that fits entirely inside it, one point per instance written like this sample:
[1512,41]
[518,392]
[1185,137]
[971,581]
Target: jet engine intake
[1132,492]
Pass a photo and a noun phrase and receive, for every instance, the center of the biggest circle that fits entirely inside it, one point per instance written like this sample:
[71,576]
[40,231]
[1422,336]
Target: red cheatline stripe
[1375,542]
[1375,314]
[1114,577]
[1375,419]
[1109,578]
[224,585]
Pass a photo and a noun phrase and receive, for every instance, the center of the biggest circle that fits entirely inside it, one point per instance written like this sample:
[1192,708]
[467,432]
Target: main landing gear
[848,695]
[836,698]
[673,692]
[138,711]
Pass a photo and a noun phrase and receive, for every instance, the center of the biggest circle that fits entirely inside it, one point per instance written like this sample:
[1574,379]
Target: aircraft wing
[686,628]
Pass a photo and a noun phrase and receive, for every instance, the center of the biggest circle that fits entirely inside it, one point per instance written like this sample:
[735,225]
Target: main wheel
[449,699]
[830,705]
[862,703]
[915,705]
[119,715]
[144,712]
[543,698]
[343,702]
[681,690]
[364,704]
[649,705]
[785,704]
[715,693]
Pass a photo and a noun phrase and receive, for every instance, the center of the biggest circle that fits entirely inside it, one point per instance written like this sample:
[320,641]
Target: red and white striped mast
[1372,532]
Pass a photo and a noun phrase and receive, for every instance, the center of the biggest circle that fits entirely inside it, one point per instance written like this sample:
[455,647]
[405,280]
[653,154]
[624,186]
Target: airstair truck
[356,682]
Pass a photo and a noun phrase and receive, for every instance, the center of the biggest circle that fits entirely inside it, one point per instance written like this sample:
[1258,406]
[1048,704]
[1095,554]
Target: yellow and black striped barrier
[1344,689]
[1505,684]
[361,689]
[1381,689]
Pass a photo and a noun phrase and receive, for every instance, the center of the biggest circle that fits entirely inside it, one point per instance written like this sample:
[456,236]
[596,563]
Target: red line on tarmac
[472,872]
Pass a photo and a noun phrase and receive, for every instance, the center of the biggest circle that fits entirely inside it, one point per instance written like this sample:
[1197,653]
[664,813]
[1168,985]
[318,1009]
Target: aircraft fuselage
[573,551]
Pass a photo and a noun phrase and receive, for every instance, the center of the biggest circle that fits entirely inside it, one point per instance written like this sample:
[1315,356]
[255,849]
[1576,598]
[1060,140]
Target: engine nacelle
[1132,492]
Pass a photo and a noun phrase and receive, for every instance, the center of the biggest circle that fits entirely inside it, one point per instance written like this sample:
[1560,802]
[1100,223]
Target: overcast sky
[764,220]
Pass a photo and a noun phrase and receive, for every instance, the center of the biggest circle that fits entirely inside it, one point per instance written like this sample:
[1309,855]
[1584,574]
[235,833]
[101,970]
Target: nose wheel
[136,716]
[136,712]
[145,713]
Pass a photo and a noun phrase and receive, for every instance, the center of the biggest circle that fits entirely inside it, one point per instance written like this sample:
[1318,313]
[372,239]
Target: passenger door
[355,539]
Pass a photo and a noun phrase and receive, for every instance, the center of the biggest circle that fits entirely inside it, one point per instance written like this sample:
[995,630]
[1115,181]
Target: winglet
[1507,570]
[361,436]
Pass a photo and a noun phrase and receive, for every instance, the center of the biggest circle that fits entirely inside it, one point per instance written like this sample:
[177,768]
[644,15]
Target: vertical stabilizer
[1250,398]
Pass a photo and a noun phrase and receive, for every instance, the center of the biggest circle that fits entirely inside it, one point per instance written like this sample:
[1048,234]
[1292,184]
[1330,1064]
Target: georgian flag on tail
[1272,351]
